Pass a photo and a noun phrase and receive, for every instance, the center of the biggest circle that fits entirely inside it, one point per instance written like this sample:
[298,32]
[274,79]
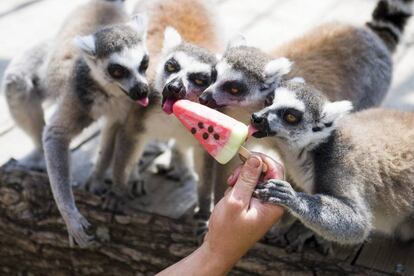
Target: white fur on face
[284,98]
[225,73]
[187,64]
[130,58]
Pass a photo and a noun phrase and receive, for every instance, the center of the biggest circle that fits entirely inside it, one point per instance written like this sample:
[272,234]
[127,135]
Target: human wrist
[217,261]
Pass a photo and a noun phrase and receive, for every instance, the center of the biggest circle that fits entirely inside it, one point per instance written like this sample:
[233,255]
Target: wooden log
[34,240]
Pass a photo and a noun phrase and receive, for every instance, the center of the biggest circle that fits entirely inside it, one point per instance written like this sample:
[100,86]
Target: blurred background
[265,23]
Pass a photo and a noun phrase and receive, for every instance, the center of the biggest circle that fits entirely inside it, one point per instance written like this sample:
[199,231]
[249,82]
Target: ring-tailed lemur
[180,67]
[92,75]
[343,61]
[356,170]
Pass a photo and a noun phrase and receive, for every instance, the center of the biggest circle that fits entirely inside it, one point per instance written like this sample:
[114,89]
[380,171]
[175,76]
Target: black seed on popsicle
[210,129]
[205,135]
[201,125]
[193,130]
[216,136]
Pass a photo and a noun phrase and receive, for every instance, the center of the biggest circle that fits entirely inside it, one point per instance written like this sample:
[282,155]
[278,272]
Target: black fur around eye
[234,87]
[291,116]
[144,64]
[117,71]
[200,79]
[269,99]
[213,75]
[172,66]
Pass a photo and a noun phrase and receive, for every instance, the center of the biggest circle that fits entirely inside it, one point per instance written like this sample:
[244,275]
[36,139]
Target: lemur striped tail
[389,19]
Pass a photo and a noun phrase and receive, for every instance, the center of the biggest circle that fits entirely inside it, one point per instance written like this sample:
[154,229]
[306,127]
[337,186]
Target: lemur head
[117,55]
[298,115]
[245,76]
[184,71]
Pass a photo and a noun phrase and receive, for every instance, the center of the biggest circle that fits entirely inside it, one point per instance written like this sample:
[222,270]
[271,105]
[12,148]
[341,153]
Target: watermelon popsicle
[220,135]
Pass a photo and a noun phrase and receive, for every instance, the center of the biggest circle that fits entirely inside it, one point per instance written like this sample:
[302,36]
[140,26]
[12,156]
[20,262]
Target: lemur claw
[96,186]
[275,191]
[137,188]
[78,227]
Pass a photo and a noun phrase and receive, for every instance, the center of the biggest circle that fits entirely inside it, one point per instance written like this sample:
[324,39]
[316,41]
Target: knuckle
[235,204]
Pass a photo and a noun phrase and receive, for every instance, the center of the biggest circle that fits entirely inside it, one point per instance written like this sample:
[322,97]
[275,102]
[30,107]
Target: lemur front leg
[95,182]
[342,220]
[65,124]
[203,164]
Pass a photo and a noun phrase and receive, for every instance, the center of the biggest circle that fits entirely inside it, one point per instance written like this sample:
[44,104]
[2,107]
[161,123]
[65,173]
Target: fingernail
[253,162]
[230,178]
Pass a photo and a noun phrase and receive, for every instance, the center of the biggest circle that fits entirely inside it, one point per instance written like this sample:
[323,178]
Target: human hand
[238,221]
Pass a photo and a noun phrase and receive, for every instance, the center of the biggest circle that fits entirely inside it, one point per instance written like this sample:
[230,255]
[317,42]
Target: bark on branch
[34,241]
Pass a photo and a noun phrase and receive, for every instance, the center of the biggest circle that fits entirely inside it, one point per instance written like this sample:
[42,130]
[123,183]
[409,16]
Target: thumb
[247,181]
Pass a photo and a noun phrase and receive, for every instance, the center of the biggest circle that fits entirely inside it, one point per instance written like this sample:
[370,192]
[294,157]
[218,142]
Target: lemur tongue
[251,130]
[168,106]
[144,102]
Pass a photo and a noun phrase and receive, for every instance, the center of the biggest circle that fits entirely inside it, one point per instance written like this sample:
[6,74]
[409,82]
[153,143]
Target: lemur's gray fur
[343,61]
[95,67]
[24,87]
[355,170]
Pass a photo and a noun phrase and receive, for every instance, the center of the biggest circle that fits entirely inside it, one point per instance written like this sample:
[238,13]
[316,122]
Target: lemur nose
[207,99]
[174,87]
[256,119]
[138,91]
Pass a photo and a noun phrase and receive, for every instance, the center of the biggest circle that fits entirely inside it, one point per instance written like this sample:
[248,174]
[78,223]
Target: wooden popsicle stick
[245,153]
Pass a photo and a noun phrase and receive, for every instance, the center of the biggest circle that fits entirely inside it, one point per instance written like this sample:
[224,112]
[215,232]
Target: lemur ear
[335,110]
[139,22]
[276,68]
[298,80]
[238,40]
[86,44]
[171,39]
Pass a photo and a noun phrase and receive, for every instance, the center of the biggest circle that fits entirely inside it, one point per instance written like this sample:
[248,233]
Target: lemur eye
[118,71]
[172,66]
[199,79]
[292,116]
[234,90]
[234,87]
[144,64]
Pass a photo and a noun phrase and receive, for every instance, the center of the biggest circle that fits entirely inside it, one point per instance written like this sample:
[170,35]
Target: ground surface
[266,23]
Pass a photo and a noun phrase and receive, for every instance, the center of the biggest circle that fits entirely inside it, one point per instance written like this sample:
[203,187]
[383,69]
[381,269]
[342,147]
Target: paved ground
[266,23]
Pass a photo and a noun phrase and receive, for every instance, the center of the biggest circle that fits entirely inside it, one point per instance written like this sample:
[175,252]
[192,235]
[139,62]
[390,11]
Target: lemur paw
[276,191]
[137,188]
[78,227]
[96,186]
[115,198]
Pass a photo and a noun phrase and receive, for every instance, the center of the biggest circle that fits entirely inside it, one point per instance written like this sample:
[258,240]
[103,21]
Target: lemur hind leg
[129,145]
[95,183]
[24,100]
